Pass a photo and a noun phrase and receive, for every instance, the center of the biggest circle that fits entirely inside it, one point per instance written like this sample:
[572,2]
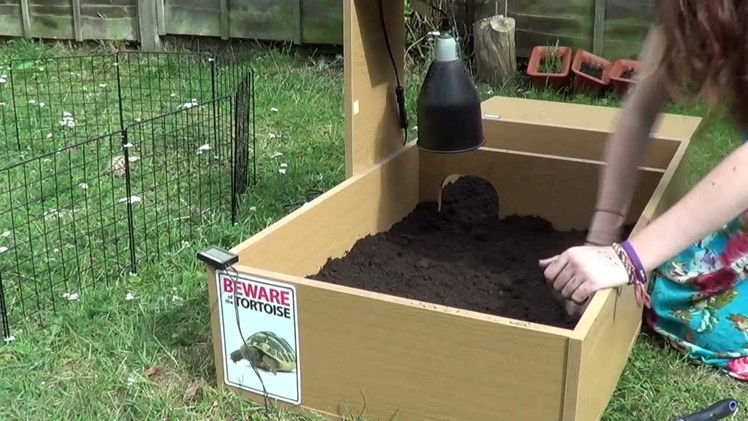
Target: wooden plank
[249,19]
[56,21]
[110,22]
[602,344]
[567,8]
[301,242]
[538,22]
[51,21]
[198,19]
[148,26]
[623,40]
[567,142]
[626,26]
[372,127]
[263,19]
[598,27]
[363,201]
[10,20]
[77,27]
[388,351]
[581,116]
[370,202]
[526,183]
[532,30]
[642,10]
[322,22]
[598,358]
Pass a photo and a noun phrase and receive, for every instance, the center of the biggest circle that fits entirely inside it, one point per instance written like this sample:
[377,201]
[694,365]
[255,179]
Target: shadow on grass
[185,333]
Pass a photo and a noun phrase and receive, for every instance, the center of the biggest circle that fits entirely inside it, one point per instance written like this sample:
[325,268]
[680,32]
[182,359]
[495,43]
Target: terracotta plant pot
[585,81]
[542,78]
[622,75]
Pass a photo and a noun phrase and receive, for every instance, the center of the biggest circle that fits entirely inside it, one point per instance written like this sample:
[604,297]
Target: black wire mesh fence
[109,161]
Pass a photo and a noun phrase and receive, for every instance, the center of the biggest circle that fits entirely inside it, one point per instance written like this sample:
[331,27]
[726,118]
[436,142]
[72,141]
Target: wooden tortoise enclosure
[414,285]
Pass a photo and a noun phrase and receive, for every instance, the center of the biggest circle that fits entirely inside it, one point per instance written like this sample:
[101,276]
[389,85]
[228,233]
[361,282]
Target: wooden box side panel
[388,358]
[327,227]
[521,136]
[371,115]
[561,190]
[581,116]
[596,363]
[599,356]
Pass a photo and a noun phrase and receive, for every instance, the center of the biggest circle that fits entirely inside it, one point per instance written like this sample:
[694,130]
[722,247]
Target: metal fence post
[130,222]
[3,310]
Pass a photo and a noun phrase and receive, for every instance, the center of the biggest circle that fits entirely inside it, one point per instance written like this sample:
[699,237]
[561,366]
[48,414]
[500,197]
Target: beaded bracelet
[634,269]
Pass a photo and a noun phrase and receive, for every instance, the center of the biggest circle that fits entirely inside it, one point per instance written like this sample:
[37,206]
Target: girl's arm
[627,146]
[625,152]
[714,201]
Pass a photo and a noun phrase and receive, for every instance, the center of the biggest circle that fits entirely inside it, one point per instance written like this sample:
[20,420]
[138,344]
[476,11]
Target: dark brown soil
[463,256]
[628,74]
[593,69]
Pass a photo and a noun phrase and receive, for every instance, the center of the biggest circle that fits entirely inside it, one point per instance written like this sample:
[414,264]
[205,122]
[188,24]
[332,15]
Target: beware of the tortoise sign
[259,327]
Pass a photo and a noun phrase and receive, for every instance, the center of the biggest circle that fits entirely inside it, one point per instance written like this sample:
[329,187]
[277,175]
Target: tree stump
[495,53]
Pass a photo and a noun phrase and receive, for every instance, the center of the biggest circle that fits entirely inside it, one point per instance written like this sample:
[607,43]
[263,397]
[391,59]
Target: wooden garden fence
[614,28]
[298,21]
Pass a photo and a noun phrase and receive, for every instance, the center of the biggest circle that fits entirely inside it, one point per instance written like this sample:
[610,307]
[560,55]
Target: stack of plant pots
[557,68]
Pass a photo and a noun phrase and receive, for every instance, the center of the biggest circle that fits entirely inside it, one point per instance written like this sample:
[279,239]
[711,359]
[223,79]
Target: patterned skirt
[700,299]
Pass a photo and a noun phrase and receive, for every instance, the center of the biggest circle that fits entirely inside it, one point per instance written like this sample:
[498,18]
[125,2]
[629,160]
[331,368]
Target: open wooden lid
[372,129]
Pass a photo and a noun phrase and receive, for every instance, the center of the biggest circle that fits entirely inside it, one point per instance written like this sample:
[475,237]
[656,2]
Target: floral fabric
[700,299]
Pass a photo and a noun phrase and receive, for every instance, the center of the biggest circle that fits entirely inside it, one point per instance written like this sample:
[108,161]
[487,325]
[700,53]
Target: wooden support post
[372,129]
[77,30]
[598,34]
[148,25]
[225,33]
[298,24]
[495,52]
[26,18]
[161,16]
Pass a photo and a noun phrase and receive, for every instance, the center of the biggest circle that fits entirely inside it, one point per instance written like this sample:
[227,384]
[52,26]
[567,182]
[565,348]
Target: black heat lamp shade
[449,107]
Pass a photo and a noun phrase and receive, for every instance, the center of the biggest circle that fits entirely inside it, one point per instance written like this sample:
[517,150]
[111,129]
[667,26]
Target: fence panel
[49,103]
[107,20]
[110,161]
[308,21]
[63,225]
[180,175]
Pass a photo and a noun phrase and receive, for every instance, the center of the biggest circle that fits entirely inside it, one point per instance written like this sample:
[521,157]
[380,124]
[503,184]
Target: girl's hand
[579,272]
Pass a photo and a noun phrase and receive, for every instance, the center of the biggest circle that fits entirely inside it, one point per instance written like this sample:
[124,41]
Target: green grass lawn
[139,347]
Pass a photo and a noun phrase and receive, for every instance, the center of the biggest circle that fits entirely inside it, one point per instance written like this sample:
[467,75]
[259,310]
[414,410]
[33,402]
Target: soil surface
[462,256]
[628,74]
[592,69]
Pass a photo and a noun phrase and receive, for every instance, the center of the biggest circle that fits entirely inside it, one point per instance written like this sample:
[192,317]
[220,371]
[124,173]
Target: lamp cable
[399,91]
[234,275]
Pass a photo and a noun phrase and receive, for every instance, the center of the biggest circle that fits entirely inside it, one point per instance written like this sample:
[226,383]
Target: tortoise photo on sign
[259,335]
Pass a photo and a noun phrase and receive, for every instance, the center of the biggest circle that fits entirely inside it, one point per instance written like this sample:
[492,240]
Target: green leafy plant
[551,61]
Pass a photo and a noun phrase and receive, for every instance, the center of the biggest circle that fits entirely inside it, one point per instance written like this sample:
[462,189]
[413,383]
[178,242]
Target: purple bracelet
[641,275]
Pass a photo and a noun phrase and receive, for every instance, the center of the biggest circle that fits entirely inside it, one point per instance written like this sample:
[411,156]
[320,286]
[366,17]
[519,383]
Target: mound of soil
[462,256]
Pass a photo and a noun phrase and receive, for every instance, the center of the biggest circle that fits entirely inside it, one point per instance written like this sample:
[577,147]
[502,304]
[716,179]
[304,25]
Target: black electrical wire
[399,91]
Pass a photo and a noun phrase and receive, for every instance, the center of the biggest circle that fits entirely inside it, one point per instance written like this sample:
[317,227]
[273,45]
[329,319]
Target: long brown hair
[705,53]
